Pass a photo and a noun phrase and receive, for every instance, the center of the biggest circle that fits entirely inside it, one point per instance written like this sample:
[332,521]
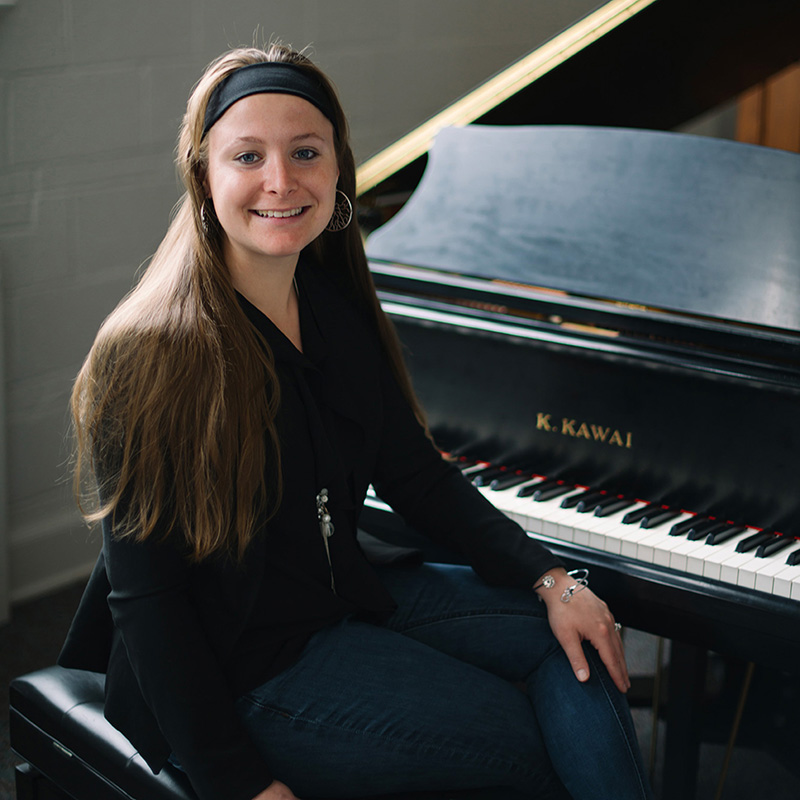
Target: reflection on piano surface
[603,326]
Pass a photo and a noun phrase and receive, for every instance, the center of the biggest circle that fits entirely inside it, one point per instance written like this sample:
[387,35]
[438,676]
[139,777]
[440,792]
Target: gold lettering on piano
[584,430]
[543,422]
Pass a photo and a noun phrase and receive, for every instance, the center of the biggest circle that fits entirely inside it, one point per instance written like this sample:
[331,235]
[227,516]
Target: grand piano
[603,325]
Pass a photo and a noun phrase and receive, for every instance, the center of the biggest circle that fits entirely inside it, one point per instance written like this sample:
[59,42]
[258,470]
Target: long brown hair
[174,408]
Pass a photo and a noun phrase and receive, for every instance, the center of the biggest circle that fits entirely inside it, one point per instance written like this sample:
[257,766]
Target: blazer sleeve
[177,670]
[433,496]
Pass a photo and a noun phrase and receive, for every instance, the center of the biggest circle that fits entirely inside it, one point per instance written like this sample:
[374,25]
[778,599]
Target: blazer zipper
[326,528]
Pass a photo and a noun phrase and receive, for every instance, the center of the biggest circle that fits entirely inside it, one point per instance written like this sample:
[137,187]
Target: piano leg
[686,688]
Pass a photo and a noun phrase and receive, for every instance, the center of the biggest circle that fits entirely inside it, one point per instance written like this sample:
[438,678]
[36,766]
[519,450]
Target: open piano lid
[659,235]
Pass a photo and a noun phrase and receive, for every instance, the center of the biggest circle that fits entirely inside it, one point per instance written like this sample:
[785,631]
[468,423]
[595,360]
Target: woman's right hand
[276,791]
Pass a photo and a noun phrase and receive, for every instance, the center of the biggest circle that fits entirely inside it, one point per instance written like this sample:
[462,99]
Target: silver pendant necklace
[326,528]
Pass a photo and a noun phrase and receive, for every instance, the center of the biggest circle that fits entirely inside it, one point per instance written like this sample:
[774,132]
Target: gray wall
[91,92]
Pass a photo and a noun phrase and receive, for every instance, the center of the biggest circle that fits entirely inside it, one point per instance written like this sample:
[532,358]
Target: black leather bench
[56,725]
[70,751]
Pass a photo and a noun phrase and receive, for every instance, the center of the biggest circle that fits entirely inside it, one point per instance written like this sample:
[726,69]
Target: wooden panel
[769,113]
[782,110]
[750,116]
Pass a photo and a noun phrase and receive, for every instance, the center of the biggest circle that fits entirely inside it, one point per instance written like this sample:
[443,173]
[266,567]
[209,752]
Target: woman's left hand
[584,618]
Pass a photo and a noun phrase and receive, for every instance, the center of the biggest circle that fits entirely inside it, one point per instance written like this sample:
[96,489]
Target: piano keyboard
[672,538]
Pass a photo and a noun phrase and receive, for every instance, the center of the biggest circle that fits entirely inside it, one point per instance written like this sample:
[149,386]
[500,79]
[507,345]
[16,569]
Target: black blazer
[164,630]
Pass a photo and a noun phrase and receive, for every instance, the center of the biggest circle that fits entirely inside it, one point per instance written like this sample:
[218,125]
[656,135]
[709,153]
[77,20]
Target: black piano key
[573,500]
[705,528]
[590,502]
[718,537]
[509,480]
[486,476]
[541,495]
[528,491]
[615,504]
[777,544]
[659,516]
[794,558]
[636,515]
[754,541]
[679,528]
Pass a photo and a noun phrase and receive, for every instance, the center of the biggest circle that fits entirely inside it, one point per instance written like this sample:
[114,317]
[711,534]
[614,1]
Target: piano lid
[698,227]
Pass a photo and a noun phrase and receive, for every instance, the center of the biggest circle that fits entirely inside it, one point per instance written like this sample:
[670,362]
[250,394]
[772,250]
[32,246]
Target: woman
[234,409]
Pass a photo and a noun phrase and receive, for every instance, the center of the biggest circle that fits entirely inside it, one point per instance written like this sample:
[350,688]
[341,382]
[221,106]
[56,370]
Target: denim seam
[631,749]
[429,748]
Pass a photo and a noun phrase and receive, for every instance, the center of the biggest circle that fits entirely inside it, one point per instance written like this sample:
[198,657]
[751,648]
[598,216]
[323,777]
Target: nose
[279,177]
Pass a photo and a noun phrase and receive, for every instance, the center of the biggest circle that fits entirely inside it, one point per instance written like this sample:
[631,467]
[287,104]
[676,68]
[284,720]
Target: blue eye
[306,154]
[247,158]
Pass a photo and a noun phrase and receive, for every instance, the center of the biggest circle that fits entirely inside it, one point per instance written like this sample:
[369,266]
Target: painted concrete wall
[91,93]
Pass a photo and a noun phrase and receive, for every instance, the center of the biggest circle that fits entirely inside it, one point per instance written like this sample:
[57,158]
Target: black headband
[262,78]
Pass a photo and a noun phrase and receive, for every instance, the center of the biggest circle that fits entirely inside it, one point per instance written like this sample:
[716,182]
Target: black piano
[612,317]
[606,321]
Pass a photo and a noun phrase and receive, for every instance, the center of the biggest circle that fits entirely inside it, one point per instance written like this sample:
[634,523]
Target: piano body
[618,312]
[614,313]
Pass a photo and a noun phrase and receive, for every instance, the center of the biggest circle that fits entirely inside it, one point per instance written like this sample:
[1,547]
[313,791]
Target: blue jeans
[429,702]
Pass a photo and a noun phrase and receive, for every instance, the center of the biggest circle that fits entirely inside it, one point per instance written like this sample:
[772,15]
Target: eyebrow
[258,140]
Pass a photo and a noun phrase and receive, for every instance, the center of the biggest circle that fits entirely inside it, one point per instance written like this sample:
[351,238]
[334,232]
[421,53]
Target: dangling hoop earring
[342,213]
[204,219]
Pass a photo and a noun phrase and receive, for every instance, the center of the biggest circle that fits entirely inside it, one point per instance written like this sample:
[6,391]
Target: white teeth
[279,214]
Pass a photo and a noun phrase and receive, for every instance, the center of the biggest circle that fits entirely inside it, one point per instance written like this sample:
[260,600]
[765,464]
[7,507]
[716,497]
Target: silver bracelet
[547,582]
[581,582]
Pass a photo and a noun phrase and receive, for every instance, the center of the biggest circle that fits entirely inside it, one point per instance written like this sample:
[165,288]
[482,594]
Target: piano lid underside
[684,223]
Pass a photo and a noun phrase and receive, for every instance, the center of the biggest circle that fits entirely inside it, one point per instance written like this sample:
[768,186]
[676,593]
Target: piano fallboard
[681,432]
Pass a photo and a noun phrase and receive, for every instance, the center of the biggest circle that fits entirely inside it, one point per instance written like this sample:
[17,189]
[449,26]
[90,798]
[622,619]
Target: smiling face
[272,176]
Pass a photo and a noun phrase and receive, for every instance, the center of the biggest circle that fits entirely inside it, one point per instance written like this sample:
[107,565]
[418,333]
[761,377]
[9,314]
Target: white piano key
[573,527]
[509,501]
[679,556]
[604,536]
[583,530]
[586,528]
[657,544]
[663,544]
[759,567]
[766,578]
[722,552]
[696,560]
[736,570]
[610,532]
[783,580]
[541,513]
[569,524]
[558,518]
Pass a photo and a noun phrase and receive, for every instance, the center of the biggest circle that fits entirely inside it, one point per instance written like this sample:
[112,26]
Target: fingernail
[582,674]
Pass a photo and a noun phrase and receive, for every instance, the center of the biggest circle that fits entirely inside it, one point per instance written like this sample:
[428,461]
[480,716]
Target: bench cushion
[57,725]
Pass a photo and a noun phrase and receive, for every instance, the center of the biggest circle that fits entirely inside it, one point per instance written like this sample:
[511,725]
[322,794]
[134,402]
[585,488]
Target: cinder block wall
[91,92]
